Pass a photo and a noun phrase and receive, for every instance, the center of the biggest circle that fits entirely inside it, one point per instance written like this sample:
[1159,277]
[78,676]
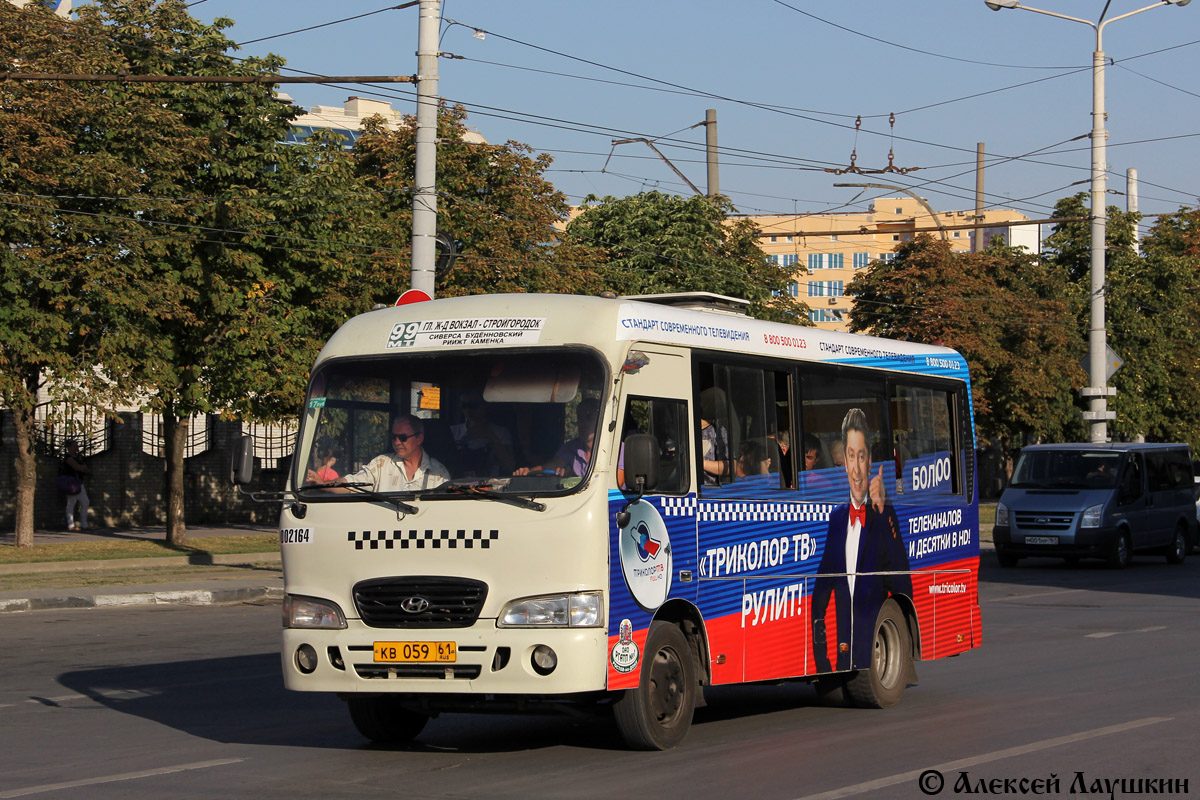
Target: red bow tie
[858,515]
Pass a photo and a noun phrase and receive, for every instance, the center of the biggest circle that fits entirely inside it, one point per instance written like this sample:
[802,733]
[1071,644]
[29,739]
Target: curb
[187,597]
[33,567]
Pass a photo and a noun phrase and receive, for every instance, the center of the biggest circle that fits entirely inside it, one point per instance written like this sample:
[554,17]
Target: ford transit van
[1098,501]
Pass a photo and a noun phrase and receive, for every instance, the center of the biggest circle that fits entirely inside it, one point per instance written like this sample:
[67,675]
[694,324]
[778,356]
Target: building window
[825,288]
[774,260]
[899,210]
[773,239]
[887,258]
[862,260]
[822,315]
[787,239]
[895,237]
[833,237]
[958,235]
[790,259]
[825,261]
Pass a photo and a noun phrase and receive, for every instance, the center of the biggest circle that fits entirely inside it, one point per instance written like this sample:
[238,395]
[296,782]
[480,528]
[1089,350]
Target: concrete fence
[127,487]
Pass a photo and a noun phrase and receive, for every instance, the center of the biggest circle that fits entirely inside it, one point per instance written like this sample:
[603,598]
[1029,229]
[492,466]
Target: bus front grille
[430,671]
[419,602]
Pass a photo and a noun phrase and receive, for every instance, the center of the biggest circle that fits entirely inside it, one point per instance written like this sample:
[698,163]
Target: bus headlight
[310,612]
[1002,514]
[581,610]
[1091,517]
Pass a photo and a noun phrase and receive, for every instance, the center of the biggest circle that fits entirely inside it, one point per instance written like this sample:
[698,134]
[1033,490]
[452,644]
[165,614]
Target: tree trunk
[174,445]
[25,465]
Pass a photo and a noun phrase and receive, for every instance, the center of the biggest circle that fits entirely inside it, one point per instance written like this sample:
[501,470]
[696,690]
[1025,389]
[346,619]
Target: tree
[493,201]
[1005,312]
[71,285]
[662,243]
[1150,313]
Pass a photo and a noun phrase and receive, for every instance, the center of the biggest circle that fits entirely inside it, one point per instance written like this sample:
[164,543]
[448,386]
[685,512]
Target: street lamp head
[996,5]
[1180,3]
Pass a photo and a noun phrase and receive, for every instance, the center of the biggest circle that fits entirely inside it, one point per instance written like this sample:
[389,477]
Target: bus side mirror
[642,456]
[241,468]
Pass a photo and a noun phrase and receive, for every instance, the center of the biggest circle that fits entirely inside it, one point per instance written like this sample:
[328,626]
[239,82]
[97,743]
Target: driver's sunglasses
[403,437]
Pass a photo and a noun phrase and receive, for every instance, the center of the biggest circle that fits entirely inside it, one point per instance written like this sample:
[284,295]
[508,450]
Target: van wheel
[1177,550]
[1121,552]
[891,662]
[381,718]
[656,715]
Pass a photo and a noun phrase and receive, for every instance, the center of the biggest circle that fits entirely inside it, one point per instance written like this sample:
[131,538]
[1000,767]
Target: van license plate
[1041,540]
[416,652]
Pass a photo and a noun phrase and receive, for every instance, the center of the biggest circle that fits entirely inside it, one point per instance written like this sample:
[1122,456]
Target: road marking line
[125,776]
[951,766]
[1106,634]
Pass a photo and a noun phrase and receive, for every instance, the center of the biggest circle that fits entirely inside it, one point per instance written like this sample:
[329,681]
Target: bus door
[653,554]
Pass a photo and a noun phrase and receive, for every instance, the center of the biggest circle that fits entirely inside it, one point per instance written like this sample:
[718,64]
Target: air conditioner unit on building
[833,301]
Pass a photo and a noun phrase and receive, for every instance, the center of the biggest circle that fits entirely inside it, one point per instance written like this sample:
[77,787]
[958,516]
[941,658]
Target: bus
[510,502]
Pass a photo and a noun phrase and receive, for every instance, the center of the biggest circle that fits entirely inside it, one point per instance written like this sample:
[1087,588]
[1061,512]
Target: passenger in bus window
[482,447]
[864,560]
[783,457]
[812,451]
[574,456]
[837,453]
[751,460]
[407,468]
[714,437]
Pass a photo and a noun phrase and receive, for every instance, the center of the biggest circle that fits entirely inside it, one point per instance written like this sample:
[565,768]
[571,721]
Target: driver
[407,468]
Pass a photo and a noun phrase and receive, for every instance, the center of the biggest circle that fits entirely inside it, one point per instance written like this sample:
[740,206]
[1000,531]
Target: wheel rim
[1180,546]
[885,661]
[1122,550]
[666,686]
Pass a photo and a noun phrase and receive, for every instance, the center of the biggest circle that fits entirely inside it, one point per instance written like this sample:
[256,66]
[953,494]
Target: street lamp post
[1099,391]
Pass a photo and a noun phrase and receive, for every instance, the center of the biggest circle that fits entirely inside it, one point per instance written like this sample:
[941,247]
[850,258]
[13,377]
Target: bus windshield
[522,422]
[1066,469]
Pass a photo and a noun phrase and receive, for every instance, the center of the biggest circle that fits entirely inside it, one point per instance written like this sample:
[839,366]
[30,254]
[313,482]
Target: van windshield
[521,423]
[1066,469]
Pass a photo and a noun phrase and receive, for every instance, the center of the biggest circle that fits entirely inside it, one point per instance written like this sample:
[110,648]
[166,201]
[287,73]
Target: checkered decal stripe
[764,512]
[434,540]
[722,511]
[678,506]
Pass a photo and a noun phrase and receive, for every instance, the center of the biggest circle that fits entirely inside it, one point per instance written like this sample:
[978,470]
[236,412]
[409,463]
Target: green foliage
[1006,313]
[493,201]
[662,243]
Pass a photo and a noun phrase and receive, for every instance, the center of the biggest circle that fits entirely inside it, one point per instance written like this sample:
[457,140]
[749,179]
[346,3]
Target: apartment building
[826,251]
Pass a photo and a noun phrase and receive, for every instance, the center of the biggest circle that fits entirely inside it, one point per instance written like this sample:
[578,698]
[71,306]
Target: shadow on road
[1148,574]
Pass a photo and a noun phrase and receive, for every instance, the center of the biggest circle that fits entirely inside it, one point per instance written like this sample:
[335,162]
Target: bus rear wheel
[383,719]
[657,714]
[882,685]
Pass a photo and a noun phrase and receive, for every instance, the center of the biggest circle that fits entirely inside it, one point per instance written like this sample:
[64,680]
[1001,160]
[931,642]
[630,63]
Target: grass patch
[137,548]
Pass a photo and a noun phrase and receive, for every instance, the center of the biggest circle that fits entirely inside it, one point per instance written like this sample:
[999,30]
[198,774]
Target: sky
[799,87]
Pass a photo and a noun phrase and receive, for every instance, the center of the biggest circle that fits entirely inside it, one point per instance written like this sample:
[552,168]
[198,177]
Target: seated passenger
[482,448]
[573,457]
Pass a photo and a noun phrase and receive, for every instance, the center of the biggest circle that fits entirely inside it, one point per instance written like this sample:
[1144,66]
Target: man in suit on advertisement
[863,546]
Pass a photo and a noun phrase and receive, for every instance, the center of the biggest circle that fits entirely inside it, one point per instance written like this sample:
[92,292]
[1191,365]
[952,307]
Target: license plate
[416,652]
[1041,540]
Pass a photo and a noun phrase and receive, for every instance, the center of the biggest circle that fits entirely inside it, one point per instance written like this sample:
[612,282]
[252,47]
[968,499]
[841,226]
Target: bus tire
[382,719]
[656,715]
[882,685]
[1178,548]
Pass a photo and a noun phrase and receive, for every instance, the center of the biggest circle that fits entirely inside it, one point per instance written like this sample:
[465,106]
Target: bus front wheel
[381,718]
[656,715]
[882,685]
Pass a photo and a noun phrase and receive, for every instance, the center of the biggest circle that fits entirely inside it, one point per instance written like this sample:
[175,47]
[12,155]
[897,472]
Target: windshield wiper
[483,491]
[361,488]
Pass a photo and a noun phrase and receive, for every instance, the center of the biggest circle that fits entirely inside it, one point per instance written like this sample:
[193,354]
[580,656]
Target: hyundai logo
[414,605]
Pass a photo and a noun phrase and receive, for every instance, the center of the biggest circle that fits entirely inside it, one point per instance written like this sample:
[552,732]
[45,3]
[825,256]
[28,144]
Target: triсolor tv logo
[646,556]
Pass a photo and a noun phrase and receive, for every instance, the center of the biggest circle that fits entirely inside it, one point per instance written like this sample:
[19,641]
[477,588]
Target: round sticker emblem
[625,652]
[646,556]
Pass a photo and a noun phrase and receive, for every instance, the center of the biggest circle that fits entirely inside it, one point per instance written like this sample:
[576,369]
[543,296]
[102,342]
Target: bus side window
[666,421]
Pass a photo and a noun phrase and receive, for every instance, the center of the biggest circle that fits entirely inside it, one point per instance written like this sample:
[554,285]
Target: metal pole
[979,197]
[710,142]
[424,222]
[1131,205]
[1097,344]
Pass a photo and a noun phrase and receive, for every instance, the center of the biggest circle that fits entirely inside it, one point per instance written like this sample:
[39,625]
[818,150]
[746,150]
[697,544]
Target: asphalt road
[1083,671]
